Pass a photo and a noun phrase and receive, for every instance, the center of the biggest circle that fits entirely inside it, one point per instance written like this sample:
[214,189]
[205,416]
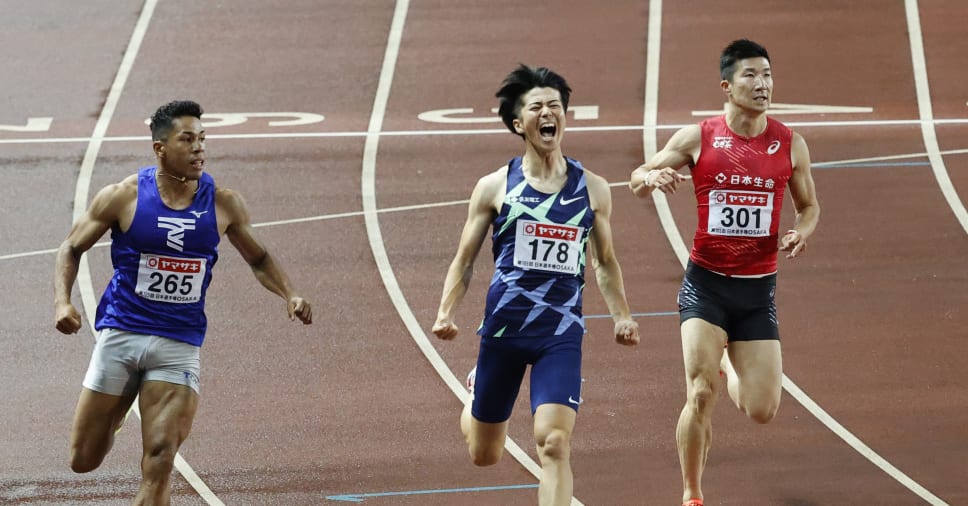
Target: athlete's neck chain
[181,179]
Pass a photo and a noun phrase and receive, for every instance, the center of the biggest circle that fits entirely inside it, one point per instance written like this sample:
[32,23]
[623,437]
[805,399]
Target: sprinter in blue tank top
[543,208]
[166,222]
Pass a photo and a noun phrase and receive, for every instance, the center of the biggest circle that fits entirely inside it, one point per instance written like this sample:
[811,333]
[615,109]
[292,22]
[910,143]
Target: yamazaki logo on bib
[740,213]
[174,264]
[170,279]
[739,198]
[551,231]
[547,247]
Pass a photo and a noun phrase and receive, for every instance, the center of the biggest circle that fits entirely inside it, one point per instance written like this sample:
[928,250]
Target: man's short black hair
[739,50]
[522,80]
[161,120]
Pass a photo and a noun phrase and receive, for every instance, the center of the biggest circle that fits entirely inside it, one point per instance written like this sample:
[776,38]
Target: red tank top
[739,184]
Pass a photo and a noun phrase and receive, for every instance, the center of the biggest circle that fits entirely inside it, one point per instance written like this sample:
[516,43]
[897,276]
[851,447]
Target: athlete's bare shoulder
[594,181]
[599,192]
[113,198]
[230,208]
[490,188]
[497,176]
[125,189]
[687,139]
[227,196]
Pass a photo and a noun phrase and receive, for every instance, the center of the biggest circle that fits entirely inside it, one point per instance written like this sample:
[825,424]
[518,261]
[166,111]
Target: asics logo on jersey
[774,147]
[565,202]
[198,214]
[176,230]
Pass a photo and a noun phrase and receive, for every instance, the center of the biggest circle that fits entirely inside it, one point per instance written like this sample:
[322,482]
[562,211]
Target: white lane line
[651,119]
[82,188]
[920,71]
[477,131]
[417,207]
[678,245]
[375,236]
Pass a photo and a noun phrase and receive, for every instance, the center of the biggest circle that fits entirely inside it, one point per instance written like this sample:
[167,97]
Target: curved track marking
[678,245]
[920,70]
[81,190]
[375,236]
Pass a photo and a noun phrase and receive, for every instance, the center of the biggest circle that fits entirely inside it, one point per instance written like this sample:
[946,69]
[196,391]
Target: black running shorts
[744,307]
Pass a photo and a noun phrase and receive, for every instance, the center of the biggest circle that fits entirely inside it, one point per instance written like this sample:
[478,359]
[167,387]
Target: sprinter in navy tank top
[166,222]
[543,209]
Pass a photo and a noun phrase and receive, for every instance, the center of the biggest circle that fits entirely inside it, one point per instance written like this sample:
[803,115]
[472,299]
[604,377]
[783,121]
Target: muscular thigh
[743,308]
[501,364]
[115,367]
[167,411]
[556,373]
[753,316]
[758,364]
[172,361]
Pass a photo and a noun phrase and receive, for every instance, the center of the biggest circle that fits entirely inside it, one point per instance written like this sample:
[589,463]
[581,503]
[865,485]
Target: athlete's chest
[155,227]
[730,161]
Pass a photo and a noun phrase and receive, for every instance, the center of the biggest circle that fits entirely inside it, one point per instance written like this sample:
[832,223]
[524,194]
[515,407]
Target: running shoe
[693,502]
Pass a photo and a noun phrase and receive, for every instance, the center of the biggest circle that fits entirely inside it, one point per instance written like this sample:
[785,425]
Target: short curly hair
[161,120]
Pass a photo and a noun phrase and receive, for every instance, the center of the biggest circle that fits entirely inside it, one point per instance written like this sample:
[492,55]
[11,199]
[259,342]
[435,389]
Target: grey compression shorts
[122,360]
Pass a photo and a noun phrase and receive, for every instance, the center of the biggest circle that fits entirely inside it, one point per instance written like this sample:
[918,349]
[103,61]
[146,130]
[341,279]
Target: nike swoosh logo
[565,202]
[573,401]
[198,214]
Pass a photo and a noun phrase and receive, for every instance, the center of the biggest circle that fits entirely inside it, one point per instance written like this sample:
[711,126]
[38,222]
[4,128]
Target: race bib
[740,213]
[541,246]
[170,279]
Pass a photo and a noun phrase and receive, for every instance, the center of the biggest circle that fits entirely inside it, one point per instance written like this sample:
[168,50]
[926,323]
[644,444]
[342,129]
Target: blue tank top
[539,258]
[162,265]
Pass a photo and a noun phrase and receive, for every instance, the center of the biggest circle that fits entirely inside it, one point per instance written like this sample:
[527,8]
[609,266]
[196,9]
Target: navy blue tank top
[162,265]
[539,258]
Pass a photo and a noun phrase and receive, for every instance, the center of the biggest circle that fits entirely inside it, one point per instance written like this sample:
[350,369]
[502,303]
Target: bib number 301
[170,279]
[547,247]
[740,213]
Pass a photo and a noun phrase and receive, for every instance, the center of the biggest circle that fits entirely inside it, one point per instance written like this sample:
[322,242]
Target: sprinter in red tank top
[741,165]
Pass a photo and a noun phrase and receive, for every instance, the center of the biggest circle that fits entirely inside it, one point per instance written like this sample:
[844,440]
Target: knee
[81,463]
[159,456]
[85,458]
[701,395]
[484,456]
[556,445]
[763,413]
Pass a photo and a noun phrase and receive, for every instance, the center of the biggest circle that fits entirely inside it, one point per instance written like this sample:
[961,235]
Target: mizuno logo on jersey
[176,230]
